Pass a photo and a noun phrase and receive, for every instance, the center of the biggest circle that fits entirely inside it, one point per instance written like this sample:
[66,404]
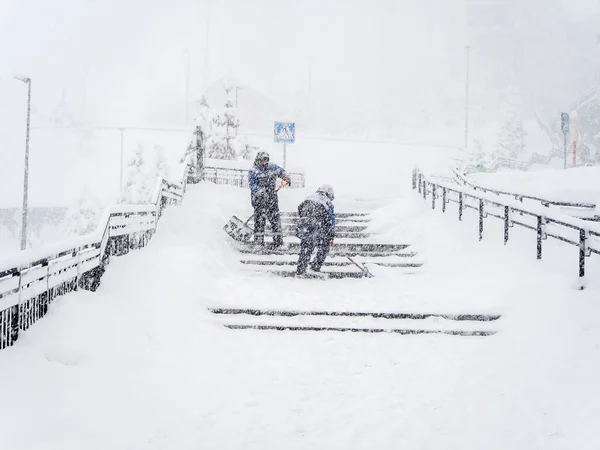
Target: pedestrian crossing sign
[285,132]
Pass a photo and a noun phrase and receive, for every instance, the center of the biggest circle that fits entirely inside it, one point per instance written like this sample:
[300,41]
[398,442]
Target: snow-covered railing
[31,280]
[581,210]
[580,233]
[239,177]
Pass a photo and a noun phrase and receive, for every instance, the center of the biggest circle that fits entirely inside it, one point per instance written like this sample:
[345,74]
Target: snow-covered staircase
[357,321]
[352,240]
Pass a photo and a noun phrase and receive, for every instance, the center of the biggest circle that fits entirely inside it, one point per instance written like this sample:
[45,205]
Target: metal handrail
[544,217]
[543,201]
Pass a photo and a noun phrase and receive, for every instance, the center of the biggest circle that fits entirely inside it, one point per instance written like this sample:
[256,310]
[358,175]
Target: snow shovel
[239,230]
[363,268]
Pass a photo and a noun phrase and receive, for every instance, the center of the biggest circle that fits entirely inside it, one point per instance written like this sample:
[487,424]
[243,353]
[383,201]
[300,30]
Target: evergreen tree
[222,126]
[83,216]
[62,114]
[161,169]
[139,184]
[511,139]
[203,113]
[216,144]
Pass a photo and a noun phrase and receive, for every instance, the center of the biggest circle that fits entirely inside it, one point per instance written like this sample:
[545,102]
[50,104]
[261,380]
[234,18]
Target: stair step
[341,215]
[328,263]
[324,275]
[332,253]
[359,330]
[338,228]
[377,315]
[348,221]
[338,234]
[360,246]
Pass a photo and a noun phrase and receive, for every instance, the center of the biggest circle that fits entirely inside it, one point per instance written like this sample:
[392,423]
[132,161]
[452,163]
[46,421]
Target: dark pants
[307,246]
[267,208]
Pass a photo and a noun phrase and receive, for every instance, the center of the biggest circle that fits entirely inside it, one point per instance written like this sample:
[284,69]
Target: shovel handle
[282,184]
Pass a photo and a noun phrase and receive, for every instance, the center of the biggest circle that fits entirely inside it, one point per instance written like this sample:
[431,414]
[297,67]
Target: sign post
[285,132]
[564,126]
[574,135]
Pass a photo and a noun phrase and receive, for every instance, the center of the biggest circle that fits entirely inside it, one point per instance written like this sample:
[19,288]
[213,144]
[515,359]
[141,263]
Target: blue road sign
[285,132]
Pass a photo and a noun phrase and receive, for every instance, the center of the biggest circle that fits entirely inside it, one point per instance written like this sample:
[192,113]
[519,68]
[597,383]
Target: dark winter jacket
[263,180]
[317,218]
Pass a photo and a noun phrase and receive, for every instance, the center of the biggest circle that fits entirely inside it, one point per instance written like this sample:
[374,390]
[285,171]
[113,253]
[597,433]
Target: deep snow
[580,184]
[141,363]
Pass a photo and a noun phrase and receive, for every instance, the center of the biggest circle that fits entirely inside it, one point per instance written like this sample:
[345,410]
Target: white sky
[399,55]
[379,64]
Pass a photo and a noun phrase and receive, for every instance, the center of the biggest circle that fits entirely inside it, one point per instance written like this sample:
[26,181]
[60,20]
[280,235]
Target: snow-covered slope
[572,185]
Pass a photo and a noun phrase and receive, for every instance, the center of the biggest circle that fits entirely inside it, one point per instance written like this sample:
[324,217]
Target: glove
[286,180]
[331,243]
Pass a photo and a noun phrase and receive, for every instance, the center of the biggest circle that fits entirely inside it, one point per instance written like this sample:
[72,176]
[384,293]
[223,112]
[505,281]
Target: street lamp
[121,130]
[467,48]
[236,105]
[187,87]
[26,173]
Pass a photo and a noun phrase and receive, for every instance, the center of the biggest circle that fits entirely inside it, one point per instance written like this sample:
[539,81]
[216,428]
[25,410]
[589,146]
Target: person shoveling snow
[262,179]
[316,228]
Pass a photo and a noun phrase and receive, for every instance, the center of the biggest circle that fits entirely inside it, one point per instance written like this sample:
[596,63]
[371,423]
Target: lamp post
[236,106]
[187,88]
[121,130]
[467,48]
[26,171]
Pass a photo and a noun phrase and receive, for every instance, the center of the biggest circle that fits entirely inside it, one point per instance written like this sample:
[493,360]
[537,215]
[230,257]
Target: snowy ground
[142,364]
[572,185]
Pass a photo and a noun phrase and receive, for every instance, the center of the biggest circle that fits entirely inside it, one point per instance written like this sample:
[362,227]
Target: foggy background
[341,67]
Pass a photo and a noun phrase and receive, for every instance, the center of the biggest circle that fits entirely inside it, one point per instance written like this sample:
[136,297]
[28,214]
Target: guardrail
[582,210]
[573,231]
[31,280]
[239,177]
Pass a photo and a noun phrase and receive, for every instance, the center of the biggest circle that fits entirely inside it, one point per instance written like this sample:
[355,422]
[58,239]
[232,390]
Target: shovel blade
[238,230]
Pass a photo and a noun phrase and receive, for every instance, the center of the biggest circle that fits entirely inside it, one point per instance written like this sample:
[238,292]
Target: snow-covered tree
[83,215]
[222,126]
[190,155]
[232,123]
[161,168]
[140,180]
[62,114]
[511,139]
[477,155]
[228,86]
[216,144]
[221,134]
[249,151]
[203,113]
[230,117]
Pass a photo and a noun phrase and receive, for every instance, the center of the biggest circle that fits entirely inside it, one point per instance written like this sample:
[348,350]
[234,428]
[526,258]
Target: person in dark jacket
[262,179]
[316,228]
